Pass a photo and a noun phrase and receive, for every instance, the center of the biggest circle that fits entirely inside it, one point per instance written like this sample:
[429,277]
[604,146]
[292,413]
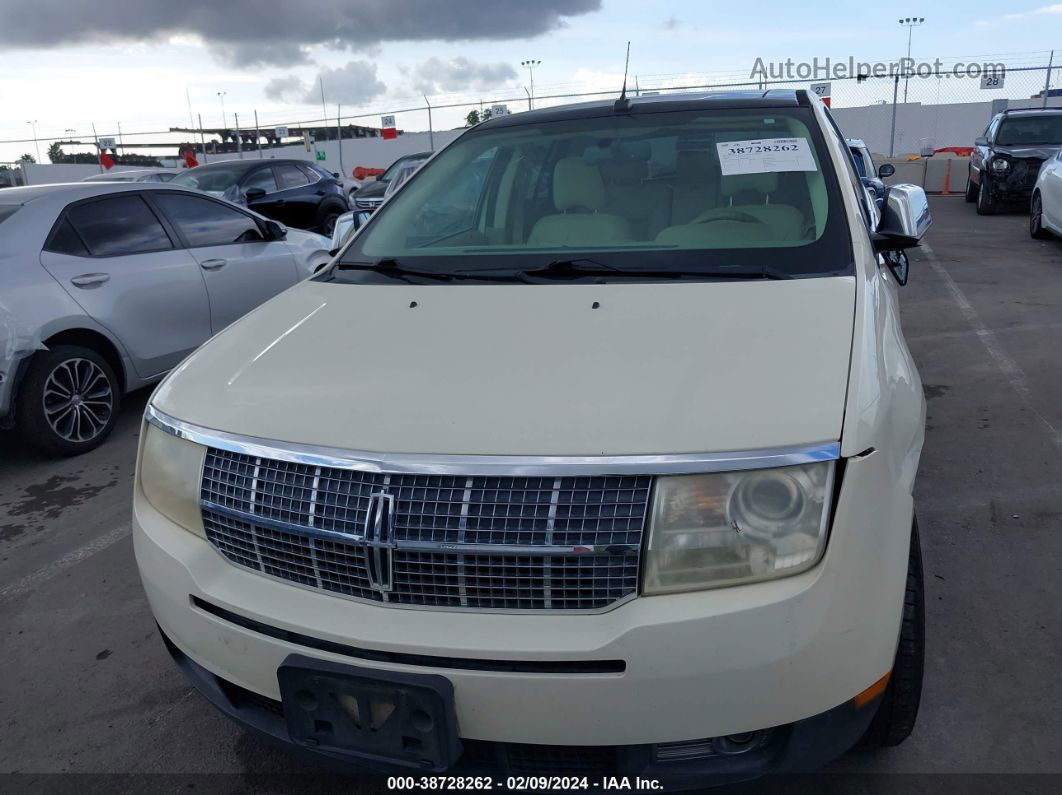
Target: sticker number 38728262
[768,154]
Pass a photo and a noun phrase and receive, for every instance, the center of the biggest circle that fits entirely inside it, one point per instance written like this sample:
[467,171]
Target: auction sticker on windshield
[767,155]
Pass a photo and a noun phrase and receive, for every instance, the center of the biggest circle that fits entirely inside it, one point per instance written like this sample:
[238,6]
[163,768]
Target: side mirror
[980,140]
[905,218]
[275,231]
[254,194]
[886,170]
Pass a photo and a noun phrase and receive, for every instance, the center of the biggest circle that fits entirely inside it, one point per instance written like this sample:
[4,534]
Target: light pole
[530,66]
[221,96]
[36,146]
[910,23]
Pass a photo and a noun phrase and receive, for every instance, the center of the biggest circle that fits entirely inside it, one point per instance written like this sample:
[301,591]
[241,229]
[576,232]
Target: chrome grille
[480,542]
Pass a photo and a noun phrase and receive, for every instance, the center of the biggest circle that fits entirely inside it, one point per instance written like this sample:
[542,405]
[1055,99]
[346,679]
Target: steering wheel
[711,216]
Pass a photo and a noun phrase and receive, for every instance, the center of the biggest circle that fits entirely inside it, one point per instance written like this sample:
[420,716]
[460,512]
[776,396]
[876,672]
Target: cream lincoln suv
[590,453]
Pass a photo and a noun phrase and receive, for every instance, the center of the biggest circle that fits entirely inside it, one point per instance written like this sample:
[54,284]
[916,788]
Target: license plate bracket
[363,713]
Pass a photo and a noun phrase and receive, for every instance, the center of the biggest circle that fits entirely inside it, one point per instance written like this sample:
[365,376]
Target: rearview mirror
[886,170]
[275,231]
[254,194]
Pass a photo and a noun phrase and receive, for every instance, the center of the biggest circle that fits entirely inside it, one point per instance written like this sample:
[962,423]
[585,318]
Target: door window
[312,174]
[207,223]
[290,177]
[118,225]
[262,178]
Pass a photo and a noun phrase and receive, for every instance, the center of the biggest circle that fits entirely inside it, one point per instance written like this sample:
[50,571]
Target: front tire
[68,402]
[986,204]
[971,191]
[895,719]
[1036,219]
[326,219]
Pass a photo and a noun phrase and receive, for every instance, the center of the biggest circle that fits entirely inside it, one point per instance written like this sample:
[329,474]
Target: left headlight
[1000,164]
[730,528]
[170,470]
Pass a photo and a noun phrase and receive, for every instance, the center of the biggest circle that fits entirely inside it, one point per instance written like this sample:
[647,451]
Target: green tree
[476,116]
[28,158]
[55,153]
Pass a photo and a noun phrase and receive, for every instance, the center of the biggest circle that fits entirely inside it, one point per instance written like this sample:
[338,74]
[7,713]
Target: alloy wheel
[78,400]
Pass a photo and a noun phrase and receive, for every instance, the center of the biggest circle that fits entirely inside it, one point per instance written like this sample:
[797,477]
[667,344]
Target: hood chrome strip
[516,465]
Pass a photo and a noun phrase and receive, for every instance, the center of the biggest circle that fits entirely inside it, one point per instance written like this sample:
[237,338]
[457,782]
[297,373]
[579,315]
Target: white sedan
[1045,207]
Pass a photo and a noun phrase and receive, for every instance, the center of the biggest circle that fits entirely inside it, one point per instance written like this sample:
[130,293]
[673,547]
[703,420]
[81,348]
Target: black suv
[1007,158]
[294,192]
[371,195]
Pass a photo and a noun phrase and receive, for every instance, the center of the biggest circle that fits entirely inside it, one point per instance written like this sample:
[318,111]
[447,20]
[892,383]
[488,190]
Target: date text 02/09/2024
[522,783]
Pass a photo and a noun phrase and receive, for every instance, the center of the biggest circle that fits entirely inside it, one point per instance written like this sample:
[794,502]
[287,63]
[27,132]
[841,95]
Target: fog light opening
[733,744]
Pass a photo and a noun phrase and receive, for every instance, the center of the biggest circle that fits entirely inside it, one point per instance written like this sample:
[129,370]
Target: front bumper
[1016,185]
[797,748]
[695,665]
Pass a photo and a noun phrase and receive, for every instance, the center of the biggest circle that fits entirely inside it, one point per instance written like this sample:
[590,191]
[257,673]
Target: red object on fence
[189,159]
[389,132]
[826,101]
[363,172]
[106,160]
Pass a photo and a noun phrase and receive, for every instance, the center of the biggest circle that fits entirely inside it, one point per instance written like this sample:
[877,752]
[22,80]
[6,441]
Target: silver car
[105,287]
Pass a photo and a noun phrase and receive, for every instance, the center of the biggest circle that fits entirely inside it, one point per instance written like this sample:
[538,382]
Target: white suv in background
[540,478]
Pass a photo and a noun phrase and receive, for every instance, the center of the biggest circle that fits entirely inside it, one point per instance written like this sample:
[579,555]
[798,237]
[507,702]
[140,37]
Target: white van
[591,453]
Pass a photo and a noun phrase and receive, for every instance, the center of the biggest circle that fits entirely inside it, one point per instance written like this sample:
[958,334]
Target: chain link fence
[895,114]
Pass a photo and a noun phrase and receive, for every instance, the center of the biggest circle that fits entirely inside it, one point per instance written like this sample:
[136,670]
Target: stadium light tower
[530,66]
[910,23]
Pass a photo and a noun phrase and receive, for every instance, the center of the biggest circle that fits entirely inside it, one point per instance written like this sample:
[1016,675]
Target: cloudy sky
[68,63]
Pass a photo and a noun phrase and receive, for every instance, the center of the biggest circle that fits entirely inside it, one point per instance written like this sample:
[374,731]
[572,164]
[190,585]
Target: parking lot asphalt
[86,686]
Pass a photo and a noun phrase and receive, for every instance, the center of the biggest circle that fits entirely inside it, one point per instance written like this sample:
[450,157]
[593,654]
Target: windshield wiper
[583,267]
[393,268]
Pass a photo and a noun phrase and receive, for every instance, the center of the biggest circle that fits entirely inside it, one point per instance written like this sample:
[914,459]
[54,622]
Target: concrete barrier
[945,174]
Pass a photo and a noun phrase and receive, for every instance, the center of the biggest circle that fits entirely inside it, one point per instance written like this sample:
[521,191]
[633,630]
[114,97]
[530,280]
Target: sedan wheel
[78,400]
[68,401]
[328,223]
[1036,219]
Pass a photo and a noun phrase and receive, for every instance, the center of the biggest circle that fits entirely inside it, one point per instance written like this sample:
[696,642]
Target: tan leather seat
[630,196]
[751,193]
[695,187]
[579,195]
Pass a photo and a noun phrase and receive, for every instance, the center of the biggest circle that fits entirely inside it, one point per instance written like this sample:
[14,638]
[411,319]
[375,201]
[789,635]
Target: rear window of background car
[112,227]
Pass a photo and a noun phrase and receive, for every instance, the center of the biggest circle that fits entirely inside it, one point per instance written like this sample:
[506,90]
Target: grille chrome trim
[460,547]
[542,466]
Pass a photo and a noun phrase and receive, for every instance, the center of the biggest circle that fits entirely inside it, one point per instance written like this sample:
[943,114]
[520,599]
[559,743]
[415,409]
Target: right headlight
[731,528]
[170,471]
[1000,164]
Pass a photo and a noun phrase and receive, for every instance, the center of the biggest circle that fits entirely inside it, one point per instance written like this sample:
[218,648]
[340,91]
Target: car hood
[572,369]
[371,190]
[1041,152]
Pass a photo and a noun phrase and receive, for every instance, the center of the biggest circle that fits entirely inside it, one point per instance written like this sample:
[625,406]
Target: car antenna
[623,104]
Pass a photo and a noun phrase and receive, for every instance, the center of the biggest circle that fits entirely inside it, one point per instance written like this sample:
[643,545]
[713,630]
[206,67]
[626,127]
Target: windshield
[701,190]
[210,178]
[7,210]
[396,166]
[1030,130]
